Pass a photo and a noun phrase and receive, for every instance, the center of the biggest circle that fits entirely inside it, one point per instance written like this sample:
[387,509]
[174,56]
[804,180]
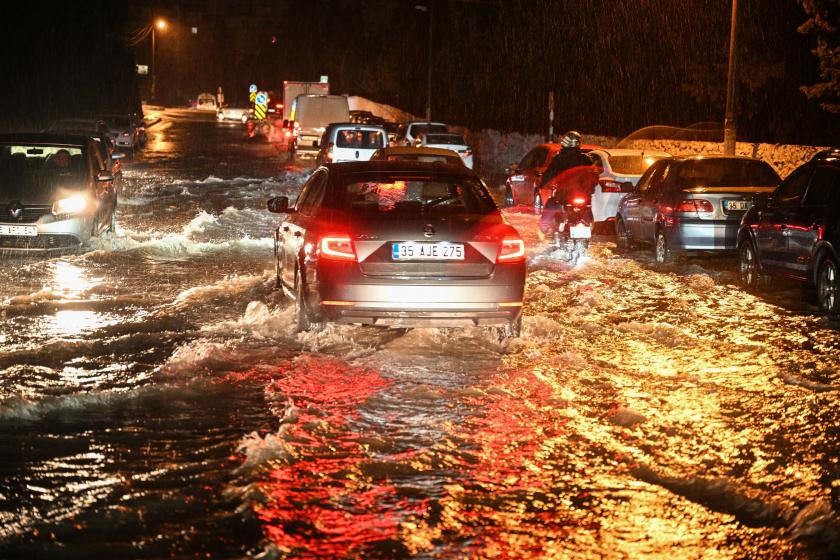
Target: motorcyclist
[570,173]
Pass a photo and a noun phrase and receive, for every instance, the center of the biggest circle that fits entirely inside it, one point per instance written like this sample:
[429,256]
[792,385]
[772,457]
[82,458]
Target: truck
[313,113]
[292,89]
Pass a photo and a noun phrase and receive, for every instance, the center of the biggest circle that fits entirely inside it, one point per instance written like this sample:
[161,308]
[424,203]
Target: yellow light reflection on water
[70,280]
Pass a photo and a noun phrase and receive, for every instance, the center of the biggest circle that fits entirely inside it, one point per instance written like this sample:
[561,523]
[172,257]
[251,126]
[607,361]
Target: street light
[729,124]
[428,8]
[159,24]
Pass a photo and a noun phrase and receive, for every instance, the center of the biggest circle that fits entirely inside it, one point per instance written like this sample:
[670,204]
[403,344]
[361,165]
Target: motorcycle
[572,225]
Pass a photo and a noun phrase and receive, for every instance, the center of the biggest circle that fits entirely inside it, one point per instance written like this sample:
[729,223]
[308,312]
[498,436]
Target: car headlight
[70,205]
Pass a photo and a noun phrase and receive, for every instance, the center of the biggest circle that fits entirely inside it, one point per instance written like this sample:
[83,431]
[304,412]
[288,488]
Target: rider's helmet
[571,139]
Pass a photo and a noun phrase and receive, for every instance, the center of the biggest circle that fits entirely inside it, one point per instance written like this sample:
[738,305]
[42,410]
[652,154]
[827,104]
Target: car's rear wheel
[661,252]
[748,265]
[827,286]
[511,330]
[622,236]
[509,202]
[303,317]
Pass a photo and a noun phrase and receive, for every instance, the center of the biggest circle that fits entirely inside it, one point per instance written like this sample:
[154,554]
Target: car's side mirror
[104,177]
[278,205]
[627,187]
[117,156]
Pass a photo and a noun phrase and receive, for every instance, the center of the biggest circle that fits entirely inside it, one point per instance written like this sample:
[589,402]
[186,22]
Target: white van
[313,113]
[351,142]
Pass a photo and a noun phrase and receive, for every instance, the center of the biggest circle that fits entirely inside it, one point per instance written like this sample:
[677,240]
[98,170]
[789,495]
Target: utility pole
[429,81]
[729,124]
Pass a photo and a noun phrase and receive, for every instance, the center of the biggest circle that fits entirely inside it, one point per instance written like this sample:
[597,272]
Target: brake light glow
[511,250]
[608,185]
[330,147]
[578,201]
[694,205]
[337,247]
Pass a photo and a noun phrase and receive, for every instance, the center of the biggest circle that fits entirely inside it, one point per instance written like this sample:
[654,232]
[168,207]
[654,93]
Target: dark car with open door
[795,232]
[399,243]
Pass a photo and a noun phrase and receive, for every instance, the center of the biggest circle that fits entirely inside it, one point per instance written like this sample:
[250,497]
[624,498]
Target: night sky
[615,66]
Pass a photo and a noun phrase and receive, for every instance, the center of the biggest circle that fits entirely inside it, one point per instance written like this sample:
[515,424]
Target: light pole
[729,125]
[160,23]
[428,9]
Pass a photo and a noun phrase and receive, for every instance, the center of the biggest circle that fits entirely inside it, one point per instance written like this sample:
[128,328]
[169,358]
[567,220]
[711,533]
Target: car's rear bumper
[442,302]
[703,235]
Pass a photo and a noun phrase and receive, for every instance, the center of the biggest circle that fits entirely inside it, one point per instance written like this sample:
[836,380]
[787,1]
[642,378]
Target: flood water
[155,400]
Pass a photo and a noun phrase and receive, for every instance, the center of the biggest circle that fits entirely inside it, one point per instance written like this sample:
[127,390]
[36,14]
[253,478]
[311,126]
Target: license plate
[580,231]
[26,231]
[736,205]
[427,251]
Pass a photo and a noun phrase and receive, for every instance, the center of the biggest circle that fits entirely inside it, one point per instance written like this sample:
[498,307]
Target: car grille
[47,241]
[29,215]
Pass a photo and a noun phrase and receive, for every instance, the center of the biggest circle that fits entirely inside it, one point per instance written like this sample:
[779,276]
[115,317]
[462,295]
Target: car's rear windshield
[70,126]
[412,195]
[26,169]
[424,157]
[118,122]
[418,129]
[448,139]
[719,172]
[632,164]
[360,139]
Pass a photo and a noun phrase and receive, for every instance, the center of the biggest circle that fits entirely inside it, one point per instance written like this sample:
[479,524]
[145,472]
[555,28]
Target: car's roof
[714,157]
[426,122]
[354,126]
[399,166]
[557,146]
[46,139]
[421,150]
[631,152]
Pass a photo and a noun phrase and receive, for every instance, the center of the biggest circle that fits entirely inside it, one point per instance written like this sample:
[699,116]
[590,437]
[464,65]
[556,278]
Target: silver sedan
[396,243]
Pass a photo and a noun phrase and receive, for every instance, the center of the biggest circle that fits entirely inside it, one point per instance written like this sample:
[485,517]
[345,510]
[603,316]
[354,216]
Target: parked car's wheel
[303,317]
[509,202]
[827,286]
[748,265]
[661,252]
[622,235]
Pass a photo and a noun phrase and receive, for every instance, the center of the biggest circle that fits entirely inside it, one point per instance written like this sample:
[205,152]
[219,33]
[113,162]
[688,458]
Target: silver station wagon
[399,243]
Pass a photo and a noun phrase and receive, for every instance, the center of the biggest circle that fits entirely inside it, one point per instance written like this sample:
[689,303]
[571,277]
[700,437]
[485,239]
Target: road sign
[252,88]
[262,98]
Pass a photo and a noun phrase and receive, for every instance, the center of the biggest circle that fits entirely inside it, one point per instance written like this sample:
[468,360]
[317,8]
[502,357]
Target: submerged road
[156,402]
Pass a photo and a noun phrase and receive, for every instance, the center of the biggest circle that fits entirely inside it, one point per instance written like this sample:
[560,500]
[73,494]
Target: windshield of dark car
[418,129]
[632,164]
[412,196]
[424,157]
[720,172]
[118,122]
[27,169]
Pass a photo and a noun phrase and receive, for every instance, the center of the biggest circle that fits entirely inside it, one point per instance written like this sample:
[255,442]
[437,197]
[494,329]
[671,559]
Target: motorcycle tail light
[579,201]
[512,250]
[337,247]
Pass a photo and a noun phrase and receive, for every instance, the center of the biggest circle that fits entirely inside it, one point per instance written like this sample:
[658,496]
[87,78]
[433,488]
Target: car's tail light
[512,250]
[698,205]
[579,201]
[330,148]
[337,247]
[608,185]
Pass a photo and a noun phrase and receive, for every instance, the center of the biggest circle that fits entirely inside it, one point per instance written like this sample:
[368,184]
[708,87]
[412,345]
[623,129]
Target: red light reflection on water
[320,503]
